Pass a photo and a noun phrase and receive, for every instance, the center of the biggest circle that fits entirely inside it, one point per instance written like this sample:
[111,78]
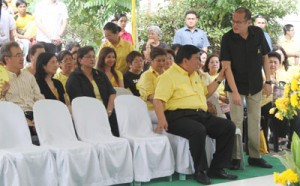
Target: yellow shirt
[146,85]
[289,46]
[62,78]
[96,90]
[179,90]
[122,49]
[113,80]
[26,25]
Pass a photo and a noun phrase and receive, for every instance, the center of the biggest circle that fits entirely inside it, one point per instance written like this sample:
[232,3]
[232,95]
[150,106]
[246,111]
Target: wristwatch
[218,81]
[268,82]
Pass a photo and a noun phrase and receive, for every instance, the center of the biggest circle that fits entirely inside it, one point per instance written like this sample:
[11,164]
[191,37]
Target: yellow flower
[272,110]
[294,84]
[279,116]
[294,100]
[286,91]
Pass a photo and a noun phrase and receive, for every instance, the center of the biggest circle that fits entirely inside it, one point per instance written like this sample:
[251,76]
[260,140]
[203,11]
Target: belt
[193,110]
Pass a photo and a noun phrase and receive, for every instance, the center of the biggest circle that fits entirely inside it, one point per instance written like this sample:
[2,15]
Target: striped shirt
[23,91]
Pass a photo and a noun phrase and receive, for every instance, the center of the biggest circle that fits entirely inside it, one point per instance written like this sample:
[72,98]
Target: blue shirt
[268,38]
[197,38]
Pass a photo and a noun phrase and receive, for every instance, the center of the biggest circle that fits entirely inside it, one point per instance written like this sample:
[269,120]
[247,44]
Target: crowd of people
[177,83]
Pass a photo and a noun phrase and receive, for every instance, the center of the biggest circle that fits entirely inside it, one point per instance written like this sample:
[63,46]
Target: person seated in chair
[23,89]
[132,76]
[147,82]
[181,108]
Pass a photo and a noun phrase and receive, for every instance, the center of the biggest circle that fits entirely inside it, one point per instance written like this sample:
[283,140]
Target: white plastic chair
[92,126]
[77,162]
[35,165]
[8,172]
[122,91]
[152,153]
[184,163]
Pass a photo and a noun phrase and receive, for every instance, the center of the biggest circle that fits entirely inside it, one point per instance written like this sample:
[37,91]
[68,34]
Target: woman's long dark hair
[42,61]
[101,61]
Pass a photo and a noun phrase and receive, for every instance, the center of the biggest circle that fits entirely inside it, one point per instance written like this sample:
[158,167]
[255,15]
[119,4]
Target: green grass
[249,172]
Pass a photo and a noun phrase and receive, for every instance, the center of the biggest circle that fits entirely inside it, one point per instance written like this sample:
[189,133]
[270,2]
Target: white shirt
[51,16]
[7,24]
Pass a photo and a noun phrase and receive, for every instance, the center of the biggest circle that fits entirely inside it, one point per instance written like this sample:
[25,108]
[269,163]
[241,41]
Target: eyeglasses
[89,57]
[237,22]
[18,55]
[67,60]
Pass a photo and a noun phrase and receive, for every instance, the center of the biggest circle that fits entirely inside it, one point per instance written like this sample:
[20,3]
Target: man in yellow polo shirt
[181,108]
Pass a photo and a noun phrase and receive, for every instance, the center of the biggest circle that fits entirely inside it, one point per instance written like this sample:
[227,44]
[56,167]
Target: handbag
[278,90]
[263,144]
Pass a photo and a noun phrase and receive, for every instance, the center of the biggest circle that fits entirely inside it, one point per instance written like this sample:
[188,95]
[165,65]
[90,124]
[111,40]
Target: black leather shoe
[259,162]
[221,174]
[201,177]
[235,164]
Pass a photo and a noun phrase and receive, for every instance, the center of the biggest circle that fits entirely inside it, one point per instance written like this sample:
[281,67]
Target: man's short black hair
[185,51]
[287,27]
[20,2]
[244,10]
[191,12]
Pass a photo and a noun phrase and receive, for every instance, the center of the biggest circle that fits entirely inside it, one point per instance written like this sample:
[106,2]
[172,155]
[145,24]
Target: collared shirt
[23,91]
[51,18]
[146,85]
[289,46]
[246,59]
[197,38]
[268,38]
[122,49]
[127,37]
[179,90]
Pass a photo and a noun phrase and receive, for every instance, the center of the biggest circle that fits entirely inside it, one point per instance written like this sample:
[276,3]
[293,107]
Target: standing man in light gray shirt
[190,34]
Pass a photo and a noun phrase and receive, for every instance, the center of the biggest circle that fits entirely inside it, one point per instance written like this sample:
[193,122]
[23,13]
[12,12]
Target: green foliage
[214,16]
[87,17]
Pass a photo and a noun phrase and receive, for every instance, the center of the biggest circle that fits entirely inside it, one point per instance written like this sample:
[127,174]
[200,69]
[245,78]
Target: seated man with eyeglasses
[23,89]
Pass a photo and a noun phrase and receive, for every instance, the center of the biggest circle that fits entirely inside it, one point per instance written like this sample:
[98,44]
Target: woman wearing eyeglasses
[87,81]
[66,64]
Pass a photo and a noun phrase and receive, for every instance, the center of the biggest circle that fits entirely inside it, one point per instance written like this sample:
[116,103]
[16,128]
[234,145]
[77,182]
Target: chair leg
[171,178]
[136,183]
[238,136]
[182,177]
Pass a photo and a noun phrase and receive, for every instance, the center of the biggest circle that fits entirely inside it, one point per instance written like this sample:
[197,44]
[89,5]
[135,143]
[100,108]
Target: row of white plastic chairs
[97,158]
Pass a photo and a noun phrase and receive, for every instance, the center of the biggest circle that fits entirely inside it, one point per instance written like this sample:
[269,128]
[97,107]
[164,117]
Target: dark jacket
[46,91]
[79,85]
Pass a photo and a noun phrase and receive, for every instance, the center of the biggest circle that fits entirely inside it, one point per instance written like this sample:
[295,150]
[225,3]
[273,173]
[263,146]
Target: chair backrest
[90,118]
[132,115]
[14,129]
[53,122]
[122,91]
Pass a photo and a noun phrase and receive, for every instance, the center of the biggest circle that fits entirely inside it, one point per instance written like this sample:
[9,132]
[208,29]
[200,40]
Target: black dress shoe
[235,164]
[201,177]
[221,174]
[259,162]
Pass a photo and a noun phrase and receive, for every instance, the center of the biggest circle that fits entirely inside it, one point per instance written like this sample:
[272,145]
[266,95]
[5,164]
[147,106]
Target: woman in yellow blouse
[106,63]
[148,80]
